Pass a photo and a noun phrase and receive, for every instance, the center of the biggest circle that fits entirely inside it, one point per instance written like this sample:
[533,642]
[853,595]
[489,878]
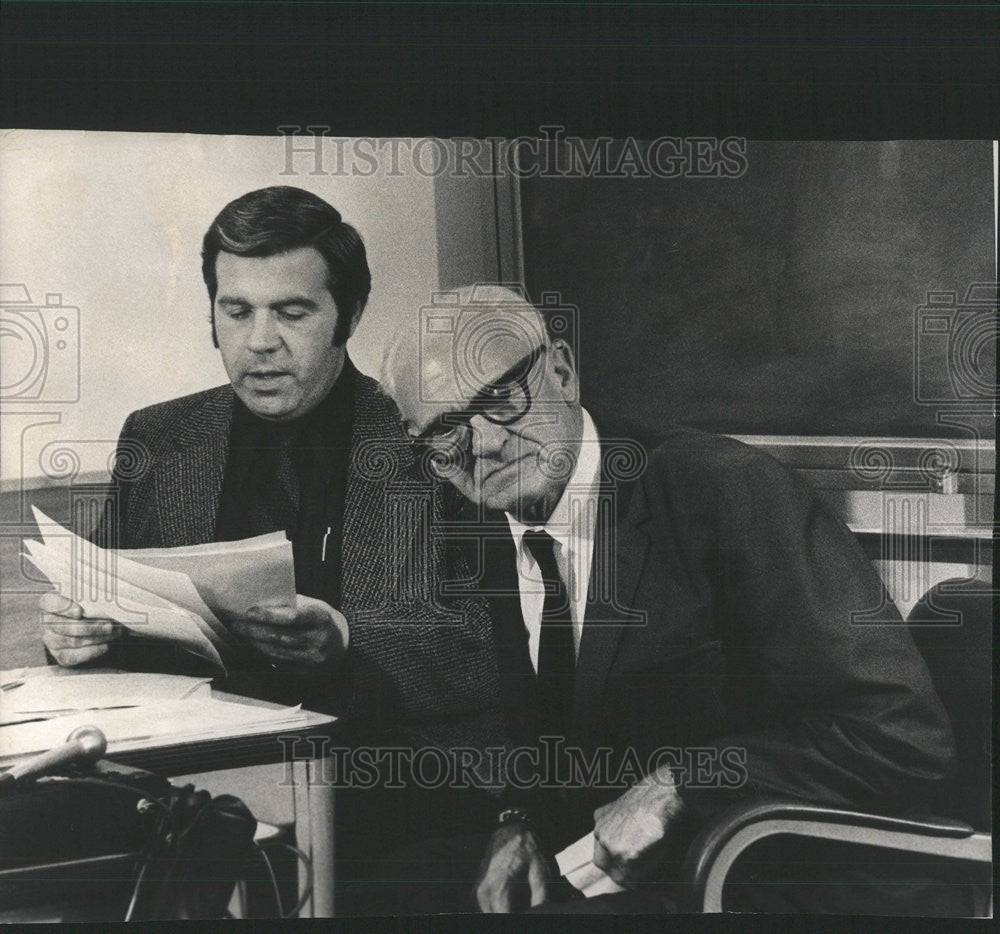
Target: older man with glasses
[684,621]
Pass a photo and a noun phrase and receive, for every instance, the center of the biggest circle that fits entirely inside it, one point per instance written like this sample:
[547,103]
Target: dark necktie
[556,655]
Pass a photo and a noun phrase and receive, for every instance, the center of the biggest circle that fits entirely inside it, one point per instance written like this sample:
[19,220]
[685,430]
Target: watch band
[509,815]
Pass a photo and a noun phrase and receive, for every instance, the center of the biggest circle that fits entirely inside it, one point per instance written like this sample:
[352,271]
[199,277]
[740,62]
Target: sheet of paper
[215,581]
[180,720]
[231,580]
[95,691]
[140,611]
[208,548]
[101,569]
[576,865]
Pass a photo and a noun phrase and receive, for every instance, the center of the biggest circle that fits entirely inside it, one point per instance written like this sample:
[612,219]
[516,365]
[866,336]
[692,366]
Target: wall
[111,224]
[808,295]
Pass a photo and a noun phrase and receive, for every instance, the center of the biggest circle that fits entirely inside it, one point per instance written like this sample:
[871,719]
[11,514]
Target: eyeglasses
[502,402]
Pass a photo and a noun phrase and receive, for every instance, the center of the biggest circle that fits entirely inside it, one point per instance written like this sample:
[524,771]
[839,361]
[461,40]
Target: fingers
[312,632]
[263,631]
[71,637]
[74,650]
[69,658]
[57,603]
[602,857]
[620,869]
[515,874]
[538,877]
[286,617]
[491,893]
[495,893]
[502,892]
[93,630]
[307,613]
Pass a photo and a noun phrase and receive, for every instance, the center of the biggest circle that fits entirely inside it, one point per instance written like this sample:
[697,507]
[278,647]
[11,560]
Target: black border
[765,70]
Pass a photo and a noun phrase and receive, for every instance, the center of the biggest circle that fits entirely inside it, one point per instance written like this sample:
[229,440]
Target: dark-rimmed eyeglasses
[502,402]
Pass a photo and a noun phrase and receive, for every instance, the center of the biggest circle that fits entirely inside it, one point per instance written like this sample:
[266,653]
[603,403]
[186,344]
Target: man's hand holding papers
[196,597]
[72,638]
[311,633]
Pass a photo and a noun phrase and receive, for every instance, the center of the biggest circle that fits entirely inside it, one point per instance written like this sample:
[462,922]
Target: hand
[311,633]
[630,831]
[513,875]
[71,637]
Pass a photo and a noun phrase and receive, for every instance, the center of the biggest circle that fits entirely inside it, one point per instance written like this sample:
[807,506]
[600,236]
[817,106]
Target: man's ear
[564,368]
[359,307]
[339,338]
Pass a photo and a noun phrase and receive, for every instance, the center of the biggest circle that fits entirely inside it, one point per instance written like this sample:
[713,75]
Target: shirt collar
[584,480]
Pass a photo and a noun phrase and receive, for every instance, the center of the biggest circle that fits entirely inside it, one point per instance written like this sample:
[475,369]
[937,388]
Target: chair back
[952,625]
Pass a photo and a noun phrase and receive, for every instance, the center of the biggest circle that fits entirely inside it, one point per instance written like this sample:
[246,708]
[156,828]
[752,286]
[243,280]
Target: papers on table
[576,864]
[133,727]
[180,595]
[83,691]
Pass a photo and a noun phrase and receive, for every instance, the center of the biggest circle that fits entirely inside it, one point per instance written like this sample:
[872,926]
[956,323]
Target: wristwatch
[509,815]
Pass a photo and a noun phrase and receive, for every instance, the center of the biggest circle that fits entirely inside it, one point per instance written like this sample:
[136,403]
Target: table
[247,766]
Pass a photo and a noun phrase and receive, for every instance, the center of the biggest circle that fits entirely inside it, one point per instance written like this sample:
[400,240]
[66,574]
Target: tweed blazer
[414,654]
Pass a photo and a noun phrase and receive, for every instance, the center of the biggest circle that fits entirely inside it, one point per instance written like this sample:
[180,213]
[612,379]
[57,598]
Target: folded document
[178,595]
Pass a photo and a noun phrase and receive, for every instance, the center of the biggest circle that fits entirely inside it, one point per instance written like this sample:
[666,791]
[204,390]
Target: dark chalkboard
[786,301]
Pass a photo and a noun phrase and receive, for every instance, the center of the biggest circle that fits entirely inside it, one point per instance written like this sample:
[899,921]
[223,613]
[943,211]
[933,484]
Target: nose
[487,437]
[264,335]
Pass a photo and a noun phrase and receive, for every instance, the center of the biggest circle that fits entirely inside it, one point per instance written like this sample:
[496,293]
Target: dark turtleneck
[261,484]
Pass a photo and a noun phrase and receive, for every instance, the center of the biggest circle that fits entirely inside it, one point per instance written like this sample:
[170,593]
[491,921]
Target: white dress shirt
[572,526]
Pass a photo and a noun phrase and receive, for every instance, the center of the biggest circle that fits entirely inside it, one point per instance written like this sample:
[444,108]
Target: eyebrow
[525,363]
[301,300]
[479,397]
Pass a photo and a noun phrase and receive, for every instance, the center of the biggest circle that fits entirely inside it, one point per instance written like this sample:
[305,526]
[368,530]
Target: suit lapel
[377,535]
[188,480]
[621,547]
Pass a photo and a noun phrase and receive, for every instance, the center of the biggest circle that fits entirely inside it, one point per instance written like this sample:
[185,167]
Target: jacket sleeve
[111,530]
[422,654]
[108,531]
[854,718]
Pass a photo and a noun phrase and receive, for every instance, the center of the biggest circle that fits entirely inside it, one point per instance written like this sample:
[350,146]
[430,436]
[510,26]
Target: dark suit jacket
[722,615]
[413,655]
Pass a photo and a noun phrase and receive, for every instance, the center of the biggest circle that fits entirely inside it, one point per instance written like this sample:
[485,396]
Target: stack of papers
[130,709]
[179,595]
[38,697]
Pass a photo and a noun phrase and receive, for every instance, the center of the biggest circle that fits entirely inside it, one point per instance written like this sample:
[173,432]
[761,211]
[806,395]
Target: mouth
[502,468]
[265,377]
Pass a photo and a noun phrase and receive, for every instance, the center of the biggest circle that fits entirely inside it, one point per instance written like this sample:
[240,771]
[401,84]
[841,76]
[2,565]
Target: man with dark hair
[298,441]
[279,219]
